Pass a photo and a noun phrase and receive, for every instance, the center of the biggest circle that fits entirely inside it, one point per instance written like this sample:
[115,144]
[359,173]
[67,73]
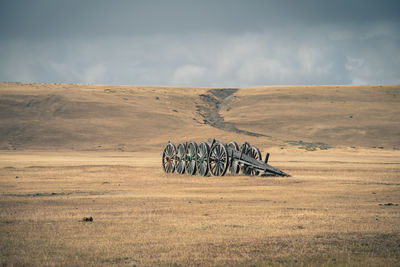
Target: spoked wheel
[244,148]
[180,158]
[218,159]
[202,158]
[234,166]
[255,153]
[191,151]
[168,158]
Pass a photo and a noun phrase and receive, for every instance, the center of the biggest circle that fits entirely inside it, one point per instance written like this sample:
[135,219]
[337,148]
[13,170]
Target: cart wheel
[255,153]
[202,158]
[218,159]
[180,158]
[234,167]
[168,158]
[191,158]
[244,148]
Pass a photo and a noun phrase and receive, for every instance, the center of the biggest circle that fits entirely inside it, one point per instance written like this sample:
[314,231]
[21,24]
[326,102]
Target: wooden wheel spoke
[213,167]
[220,168]
[169,166]
[166,166]
[223,155]
[213,159]
[217,169]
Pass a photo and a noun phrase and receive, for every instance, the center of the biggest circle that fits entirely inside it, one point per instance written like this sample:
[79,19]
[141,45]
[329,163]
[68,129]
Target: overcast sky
[217,43]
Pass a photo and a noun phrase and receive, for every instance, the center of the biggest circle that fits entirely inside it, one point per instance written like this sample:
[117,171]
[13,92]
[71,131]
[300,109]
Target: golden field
[75,151]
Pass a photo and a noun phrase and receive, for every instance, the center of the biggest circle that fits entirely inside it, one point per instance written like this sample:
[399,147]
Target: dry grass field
[75,151]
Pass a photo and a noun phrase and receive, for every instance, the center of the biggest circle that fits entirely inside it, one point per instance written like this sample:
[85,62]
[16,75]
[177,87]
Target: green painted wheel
[191,151]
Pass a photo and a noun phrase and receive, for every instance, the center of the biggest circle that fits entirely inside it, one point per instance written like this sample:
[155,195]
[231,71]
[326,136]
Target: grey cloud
[200,43]
[52,18]
[206,60]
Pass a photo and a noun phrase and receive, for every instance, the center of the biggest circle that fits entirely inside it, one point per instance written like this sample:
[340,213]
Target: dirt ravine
[210,106]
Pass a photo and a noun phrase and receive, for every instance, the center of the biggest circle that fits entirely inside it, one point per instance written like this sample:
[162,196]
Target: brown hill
[135,118]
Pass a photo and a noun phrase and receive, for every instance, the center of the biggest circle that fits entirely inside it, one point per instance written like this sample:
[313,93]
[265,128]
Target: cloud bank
[197,46]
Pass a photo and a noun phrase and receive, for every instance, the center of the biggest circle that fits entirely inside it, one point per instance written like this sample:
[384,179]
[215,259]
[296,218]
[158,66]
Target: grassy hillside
[132,118]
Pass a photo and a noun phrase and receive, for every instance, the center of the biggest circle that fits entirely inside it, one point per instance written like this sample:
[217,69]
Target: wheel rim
[202,159]
[191,158]
[255,153]
[168,158]
[245,147]
[180,158]
[234,166]
[218,159]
